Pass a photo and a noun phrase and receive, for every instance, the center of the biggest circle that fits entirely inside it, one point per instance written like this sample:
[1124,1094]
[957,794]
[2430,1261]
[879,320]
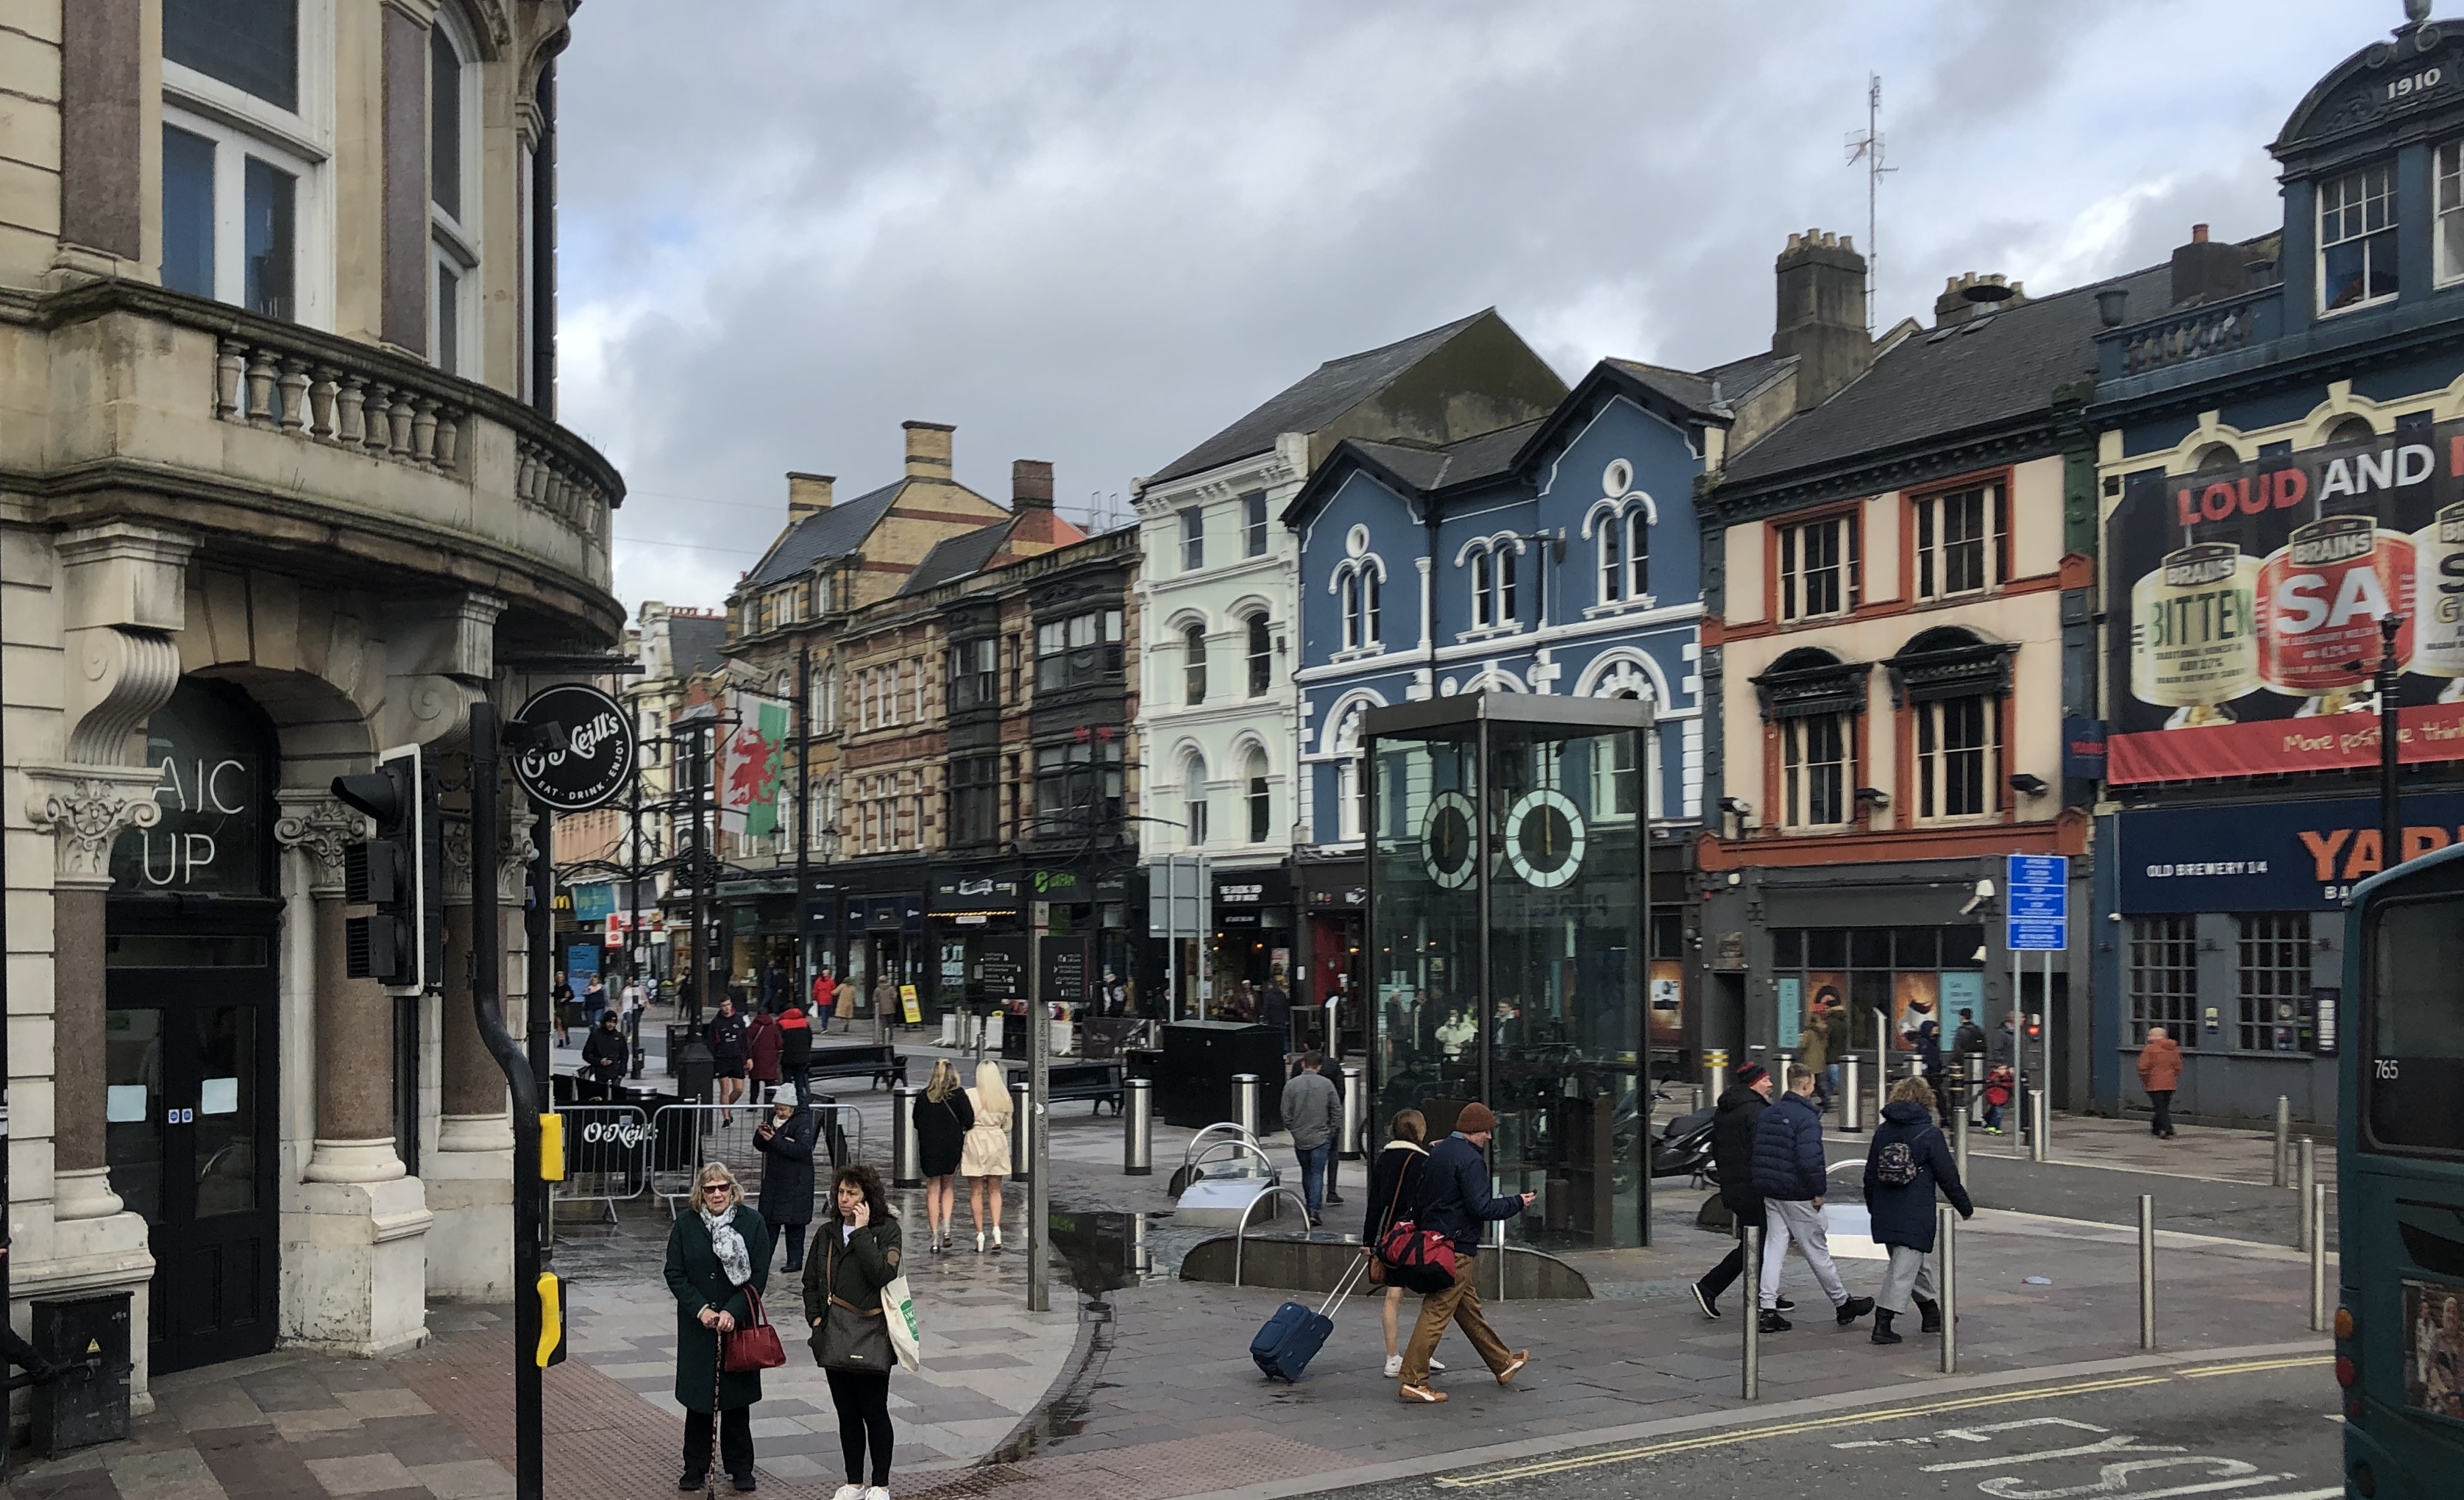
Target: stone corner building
[280,489]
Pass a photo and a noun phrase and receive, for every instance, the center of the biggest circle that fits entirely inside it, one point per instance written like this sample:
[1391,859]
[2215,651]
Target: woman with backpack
[1908,1159]
[1394,1193]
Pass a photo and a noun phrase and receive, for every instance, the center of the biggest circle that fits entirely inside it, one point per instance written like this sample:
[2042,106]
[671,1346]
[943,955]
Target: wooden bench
[1099,1083]
[881,1063]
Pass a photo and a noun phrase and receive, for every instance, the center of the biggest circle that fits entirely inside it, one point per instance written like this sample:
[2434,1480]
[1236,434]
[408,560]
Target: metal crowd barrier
[686,1137]
[606,1156]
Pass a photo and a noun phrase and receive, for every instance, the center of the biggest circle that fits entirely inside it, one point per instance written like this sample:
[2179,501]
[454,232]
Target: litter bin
[88,1339]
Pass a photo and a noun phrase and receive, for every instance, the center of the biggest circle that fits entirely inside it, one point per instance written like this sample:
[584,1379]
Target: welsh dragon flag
[748,781]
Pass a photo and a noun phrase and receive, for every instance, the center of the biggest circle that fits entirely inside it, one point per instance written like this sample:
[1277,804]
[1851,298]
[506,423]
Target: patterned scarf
[735,1262]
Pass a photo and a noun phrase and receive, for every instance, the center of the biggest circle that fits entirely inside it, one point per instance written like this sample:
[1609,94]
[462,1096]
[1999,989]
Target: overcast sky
[1097,233]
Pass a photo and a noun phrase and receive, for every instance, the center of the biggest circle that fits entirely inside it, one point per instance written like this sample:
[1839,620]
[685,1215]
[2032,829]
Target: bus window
[2412,1077]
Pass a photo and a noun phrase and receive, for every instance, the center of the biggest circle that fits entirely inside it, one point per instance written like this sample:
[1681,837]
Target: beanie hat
[1475,1117]
[1752,1073]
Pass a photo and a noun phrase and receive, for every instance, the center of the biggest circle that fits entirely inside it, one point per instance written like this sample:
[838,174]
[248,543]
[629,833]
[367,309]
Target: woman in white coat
[985,1161]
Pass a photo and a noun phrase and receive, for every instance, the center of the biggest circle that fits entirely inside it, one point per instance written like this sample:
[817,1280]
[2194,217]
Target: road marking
[1786,1429]
[2247,1366]
[2119,1443]
[2117,1477]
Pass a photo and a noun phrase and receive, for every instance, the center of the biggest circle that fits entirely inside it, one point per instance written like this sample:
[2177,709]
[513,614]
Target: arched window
[1193,793]
[1347,593]
[2351,430]
[1260,800]
[1483,602]
[1504,613]
[1954,685]
[1611,561]
[1193,648]
[1638,551]
[1262,654]
[1371,584]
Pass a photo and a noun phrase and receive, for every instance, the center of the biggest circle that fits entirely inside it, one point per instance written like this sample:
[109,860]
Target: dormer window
[2451,212]
[2356,239]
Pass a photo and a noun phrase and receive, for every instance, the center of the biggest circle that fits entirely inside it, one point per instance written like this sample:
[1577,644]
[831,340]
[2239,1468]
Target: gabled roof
[695,644]
[830,533]
[1317,399]
[954,558]
[1415,469]
[1989,371]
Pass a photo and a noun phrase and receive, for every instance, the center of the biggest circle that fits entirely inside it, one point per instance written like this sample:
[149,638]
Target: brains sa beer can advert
[2320,599]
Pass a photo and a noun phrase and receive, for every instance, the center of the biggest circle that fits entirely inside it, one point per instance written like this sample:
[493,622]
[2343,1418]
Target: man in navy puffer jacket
[1789,1173]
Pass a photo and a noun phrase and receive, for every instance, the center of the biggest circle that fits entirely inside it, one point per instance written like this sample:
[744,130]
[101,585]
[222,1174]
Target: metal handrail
[1236,1146]
[701,1133]
[1241,1230]
[1190,1152]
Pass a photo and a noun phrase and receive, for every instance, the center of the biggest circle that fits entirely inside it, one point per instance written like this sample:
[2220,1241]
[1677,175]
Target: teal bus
[2400,1173]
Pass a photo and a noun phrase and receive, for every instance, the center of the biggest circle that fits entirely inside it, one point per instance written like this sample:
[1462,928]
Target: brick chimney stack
[2206,269]
[1822,314]
[807,495]
[1969,294]
[928,449]
[1031,484]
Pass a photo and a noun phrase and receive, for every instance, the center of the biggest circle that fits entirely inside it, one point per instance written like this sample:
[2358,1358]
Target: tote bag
[906,1333]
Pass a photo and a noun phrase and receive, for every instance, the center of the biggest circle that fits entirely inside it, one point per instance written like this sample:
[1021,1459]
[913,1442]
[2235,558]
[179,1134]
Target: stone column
[470,1181]
[476,1117]
[357,1280]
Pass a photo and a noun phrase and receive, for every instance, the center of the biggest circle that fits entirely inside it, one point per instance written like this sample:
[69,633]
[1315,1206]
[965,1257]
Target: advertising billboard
[2283,857]
[2245,603]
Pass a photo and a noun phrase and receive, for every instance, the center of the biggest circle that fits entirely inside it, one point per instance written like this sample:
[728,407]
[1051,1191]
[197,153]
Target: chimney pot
[1031,484]
[928,449]
[807,495]
[2198,233]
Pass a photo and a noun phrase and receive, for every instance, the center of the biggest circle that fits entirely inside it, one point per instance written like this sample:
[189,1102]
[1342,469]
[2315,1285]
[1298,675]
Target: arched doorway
[191,996]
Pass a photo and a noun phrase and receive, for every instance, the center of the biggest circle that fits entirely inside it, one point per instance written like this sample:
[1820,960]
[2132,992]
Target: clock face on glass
[1544,838]
[1446,840]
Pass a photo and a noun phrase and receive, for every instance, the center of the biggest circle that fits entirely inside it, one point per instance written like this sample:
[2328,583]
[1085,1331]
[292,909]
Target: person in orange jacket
[2160,1073]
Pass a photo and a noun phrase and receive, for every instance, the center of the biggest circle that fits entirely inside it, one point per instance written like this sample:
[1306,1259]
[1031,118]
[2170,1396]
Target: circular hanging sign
[598,754]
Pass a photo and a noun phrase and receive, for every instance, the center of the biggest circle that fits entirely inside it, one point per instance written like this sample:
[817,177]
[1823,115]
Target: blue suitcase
[1293,1337]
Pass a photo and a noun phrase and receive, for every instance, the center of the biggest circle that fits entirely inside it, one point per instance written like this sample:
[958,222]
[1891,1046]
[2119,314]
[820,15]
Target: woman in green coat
[716,1252]
[857,1255]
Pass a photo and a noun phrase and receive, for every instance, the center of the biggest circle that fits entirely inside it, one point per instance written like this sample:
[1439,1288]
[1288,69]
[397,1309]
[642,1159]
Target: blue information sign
[2038,912]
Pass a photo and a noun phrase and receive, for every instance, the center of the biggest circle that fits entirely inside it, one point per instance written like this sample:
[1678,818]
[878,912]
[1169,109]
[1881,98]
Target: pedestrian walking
[1929,1040]
[985,1161]
[943,1116]
[787,1140]
[885,1007]
[604,1054]
[717,1255]
[2160,1073]
[858,1257]
[1835,1039]
[1999,1085]
[1789,1173]
[823,999]
[727,1039]
[561,1005]
[762,1043]
[1814,1050]
[1313,1114]
[1275,1009]
[1739,1111]
[1395,1182]
[796,1052]
[1456,1201]
[1968,1041]
[1908,1160]
[773,987]
[594,1005]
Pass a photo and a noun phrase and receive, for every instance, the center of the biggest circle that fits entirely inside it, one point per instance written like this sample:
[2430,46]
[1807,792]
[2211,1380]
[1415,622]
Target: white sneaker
[1394,1366]
[1437,1367]
[876,1492]
[850,1493]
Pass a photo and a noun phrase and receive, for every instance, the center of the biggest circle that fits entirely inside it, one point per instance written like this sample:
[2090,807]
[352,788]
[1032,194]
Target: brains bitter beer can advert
[2256,593]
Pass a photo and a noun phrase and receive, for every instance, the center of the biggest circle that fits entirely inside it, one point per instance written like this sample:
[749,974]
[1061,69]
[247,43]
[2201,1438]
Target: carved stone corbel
[123,594]
[321,827]
[458,862]
[440,663]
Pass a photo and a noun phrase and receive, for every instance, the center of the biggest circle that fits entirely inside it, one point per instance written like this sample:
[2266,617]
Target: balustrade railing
[261,384]
[2195,333]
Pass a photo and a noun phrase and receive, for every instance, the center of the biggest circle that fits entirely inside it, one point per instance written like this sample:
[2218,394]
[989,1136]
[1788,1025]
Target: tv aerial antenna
[1868,149]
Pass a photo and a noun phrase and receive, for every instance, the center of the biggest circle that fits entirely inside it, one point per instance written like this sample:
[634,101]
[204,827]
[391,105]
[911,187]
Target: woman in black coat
[857,1257]
[1908,1160]
[943,1116]
[785,1141]
[1394,1193]
[719,1256]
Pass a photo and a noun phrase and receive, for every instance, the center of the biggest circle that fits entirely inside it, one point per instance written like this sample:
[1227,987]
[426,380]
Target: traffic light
[399,871]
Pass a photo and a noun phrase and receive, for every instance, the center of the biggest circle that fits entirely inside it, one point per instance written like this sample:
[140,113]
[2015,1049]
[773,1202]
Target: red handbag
[1414,1258]
[754,1345]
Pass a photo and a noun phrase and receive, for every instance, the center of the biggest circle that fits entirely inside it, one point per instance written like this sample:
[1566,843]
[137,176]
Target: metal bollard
[1715,1073]
[907,1150]
[2041,1115]
[1948,1291]
[1780,1065]
[1244,1102]
[1137,1129]
[1959,1138]
[1022,1132]
[2318,1257]
[2146,1271]
[1852,1101]
[1355,1143]
[1972,1069]
[2306,1167]
[2283,1141]
[1751,1238]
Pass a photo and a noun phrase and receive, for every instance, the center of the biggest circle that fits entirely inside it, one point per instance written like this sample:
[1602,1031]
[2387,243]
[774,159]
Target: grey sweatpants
[1786,1219]
[1909,1272]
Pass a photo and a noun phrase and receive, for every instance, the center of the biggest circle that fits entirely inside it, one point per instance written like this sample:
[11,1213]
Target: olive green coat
[694,1277]
[859,1269]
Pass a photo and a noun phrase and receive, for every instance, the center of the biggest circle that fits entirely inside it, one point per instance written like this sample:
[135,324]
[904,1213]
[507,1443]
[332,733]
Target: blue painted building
[1556,556]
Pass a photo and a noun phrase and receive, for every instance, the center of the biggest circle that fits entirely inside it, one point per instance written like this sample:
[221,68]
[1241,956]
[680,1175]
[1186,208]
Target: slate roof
[829,533]
[1986,372]
[695,644]
[1318,398]
[1466,462]
[954,558]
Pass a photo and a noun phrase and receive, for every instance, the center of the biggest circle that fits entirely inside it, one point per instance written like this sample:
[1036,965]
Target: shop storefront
[1253,941]
[1331,937]
[979,944]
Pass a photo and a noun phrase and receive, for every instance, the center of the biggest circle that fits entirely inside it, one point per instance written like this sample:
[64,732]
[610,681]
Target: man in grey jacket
[1313,1112]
